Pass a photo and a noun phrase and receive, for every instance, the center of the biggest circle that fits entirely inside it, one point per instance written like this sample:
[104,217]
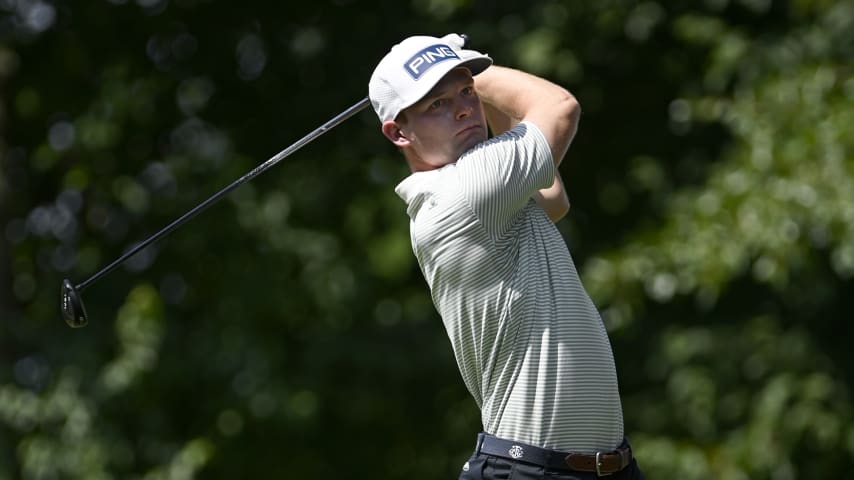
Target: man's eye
[438,103]
[468,91]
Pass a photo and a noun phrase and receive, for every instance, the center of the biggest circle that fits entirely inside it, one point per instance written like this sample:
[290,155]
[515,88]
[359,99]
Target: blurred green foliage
[287,331]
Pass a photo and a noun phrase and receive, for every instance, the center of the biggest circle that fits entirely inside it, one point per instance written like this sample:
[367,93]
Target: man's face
[444,124]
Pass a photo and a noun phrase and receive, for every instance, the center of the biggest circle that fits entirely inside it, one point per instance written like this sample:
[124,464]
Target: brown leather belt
[600,463]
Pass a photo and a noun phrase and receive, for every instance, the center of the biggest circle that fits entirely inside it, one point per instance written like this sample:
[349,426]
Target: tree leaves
[711,183]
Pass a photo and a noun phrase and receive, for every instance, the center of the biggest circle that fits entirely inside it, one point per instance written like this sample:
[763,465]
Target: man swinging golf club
[529,343]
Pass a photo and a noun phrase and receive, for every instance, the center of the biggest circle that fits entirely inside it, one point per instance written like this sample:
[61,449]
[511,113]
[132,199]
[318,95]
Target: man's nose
[464,110]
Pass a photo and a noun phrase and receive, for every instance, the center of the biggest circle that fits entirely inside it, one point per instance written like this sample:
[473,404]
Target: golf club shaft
[217,196]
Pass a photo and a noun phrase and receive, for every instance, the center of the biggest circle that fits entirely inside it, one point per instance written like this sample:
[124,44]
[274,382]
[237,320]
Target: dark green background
[287,332]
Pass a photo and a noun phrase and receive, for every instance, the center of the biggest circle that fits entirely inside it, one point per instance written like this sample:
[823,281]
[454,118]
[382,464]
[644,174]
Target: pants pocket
[473,468]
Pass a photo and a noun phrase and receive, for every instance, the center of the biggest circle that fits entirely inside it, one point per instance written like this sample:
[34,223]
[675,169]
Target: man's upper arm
[500,176]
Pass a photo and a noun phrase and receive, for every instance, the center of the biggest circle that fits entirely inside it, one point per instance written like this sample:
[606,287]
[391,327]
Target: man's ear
[392,131]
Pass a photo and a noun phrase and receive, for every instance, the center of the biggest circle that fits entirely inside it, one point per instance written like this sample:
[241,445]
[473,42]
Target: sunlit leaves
[193,94]
[643,19]
[97,133]
[308,42]
[57,430]
[710,373]
[440,9]
[701,29]
[139,331]
[781,192]
[168,49]
[186,462]
[541,52]
[202,142]
[785,187]
[389,254]
[251,56]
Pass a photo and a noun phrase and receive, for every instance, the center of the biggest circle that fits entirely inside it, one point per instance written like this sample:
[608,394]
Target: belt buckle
[599,466]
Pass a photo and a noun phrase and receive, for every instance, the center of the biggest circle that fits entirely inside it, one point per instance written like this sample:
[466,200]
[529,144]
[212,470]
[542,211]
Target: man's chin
[474,141]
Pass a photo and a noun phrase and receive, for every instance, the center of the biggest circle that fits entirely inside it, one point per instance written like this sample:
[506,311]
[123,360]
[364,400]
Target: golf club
[71,304]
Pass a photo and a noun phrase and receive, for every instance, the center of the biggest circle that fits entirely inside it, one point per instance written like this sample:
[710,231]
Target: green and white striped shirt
[530,344]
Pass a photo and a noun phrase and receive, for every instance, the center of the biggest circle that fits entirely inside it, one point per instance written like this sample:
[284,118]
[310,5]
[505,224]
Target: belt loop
[480,438]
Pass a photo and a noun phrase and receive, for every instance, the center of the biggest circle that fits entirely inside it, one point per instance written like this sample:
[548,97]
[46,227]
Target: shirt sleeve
[499,176]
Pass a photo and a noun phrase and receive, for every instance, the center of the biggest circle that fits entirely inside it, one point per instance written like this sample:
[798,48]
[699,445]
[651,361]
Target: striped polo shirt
[529,343]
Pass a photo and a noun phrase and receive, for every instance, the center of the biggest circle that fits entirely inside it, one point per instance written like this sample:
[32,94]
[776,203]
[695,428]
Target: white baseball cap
[413,67]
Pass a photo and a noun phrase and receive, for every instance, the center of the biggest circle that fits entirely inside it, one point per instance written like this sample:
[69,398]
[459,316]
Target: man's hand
[455,40]
[458,43]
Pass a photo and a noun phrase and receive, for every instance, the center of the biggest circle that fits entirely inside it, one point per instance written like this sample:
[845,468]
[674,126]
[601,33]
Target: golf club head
[72,307]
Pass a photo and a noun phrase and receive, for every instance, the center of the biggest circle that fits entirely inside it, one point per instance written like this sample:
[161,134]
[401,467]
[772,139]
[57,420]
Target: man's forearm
[553,199]
[499,122]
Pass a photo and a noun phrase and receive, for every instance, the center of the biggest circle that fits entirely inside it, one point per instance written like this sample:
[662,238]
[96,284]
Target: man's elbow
[559,209]
[569,110]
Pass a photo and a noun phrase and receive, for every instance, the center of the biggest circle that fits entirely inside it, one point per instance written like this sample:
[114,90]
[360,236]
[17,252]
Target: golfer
[529,343]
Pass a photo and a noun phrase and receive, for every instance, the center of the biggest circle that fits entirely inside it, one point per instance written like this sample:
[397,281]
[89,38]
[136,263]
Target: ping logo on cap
[428,57]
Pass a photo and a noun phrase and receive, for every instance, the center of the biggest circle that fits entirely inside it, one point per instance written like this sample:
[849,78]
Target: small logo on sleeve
[422,61]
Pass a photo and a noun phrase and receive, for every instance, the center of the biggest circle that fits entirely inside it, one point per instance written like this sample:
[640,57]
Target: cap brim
[477,65]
